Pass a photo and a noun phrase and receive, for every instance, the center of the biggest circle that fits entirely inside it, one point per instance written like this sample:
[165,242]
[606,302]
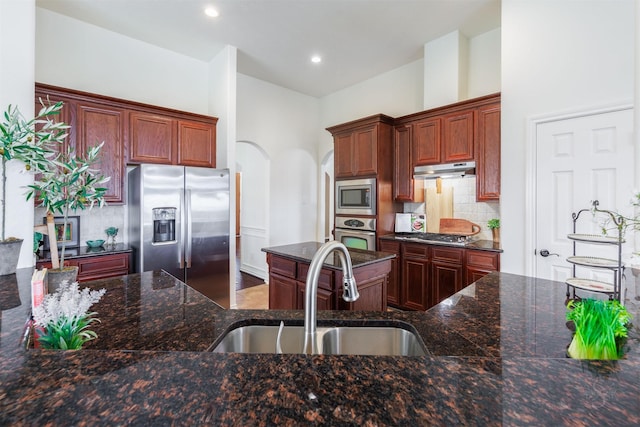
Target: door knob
[545,253]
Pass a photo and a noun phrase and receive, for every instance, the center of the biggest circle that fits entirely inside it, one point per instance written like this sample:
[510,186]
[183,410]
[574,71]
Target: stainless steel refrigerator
[179,222]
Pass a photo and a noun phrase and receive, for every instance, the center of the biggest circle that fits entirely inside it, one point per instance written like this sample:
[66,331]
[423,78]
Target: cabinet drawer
[483,259]
[282,266]
[325,280]
[103,266]
[452,255]
[415,251]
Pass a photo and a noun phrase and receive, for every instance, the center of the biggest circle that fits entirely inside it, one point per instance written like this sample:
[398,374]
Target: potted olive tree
[68,183]
[31,142]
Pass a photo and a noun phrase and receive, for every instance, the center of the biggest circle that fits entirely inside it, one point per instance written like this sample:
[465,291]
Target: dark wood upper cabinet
[457,144]
[405,188]
[132,133]
[196,144]
[162,139]
[488,153]
[151,138]
[96,124]
[362,147]
[356,153]
[465,131]
[426,142]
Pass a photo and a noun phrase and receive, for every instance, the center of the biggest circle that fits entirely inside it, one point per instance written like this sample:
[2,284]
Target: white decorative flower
[67,302]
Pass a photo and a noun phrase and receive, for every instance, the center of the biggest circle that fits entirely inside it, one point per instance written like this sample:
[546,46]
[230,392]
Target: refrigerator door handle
[189,231]
[181,240]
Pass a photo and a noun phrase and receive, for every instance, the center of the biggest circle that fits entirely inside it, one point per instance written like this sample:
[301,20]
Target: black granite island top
[304,252]
[498,358]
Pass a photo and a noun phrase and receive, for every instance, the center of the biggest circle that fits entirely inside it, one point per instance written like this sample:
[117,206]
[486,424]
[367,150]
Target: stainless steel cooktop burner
[451,239]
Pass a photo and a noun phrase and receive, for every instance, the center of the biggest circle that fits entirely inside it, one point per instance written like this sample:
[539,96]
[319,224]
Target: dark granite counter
[305,251]
[484,245]
[498,359]
[86,251]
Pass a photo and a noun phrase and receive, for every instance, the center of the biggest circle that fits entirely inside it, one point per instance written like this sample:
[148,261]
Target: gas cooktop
[449,239]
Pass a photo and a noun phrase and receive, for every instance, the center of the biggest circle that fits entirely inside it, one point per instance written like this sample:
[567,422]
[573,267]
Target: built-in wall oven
[359,233]
[356,196]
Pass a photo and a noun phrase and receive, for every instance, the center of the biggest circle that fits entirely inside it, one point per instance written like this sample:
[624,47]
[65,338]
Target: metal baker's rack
[612,289]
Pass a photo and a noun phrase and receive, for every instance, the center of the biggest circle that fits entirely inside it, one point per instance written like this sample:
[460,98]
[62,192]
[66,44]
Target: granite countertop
[86,251]
[498,358]
[483,245]
[304,252]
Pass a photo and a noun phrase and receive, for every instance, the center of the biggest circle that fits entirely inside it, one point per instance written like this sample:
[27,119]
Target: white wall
[556,56]
[17,28]
[254,165]
[394,93]
[89,58]
[484,64]
[285,125]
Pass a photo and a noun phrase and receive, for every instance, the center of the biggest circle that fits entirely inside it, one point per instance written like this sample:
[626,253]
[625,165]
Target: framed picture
[70,237]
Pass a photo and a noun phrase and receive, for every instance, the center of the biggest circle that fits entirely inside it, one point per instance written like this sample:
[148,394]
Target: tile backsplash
[94,221]
[464,204]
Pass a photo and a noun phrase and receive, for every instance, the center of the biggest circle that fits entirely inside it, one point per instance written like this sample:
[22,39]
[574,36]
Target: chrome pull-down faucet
[349,294]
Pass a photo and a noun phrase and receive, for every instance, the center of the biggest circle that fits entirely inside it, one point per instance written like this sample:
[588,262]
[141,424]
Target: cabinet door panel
[488,153]
[325,299]
[427,142]
[447,280]
[151,138]
[474,274]
[196,144]
[416,278]
[283,293]
[343,156]
[96,124]
[366,152]
[66,115]
[405,188]
[372,297]
[393,284]
[458,137]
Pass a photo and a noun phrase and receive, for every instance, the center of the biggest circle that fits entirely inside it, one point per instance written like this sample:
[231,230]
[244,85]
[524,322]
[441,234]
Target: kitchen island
[289,265]
[497,358]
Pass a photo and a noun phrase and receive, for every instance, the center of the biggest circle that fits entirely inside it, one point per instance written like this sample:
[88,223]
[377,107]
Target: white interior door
[579,159]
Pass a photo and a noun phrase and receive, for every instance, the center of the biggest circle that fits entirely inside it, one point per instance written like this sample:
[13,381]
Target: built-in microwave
[356,197]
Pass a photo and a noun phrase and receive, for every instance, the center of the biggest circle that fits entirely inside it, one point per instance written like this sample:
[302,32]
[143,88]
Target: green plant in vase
[494,226]
[69,183]
[111,232]
[32,142]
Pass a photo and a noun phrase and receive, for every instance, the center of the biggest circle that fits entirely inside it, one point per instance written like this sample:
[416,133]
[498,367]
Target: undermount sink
[332,340]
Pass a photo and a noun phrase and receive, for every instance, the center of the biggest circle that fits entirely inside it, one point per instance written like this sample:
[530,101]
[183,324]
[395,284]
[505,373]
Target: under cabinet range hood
[448,170]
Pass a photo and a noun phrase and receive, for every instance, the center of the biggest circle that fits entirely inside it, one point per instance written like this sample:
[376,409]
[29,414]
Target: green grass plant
[600,327]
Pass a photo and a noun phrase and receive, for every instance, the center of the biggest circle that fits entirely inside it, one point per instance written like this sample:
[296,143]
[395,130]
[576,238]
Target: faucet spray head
[350,290]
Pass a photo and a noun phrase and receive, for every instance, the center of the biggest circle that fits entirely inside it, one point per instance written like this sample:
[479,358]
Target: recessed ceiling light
[316,59]
[211,11]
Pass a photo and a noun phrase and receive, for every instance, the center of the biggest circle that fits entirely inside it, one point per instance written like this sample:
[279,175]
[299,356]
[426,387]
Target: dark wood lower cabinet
[423,275]
[479,264]
[415,293]
[447,272]
[99,266]
[287,283]
[393,284]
